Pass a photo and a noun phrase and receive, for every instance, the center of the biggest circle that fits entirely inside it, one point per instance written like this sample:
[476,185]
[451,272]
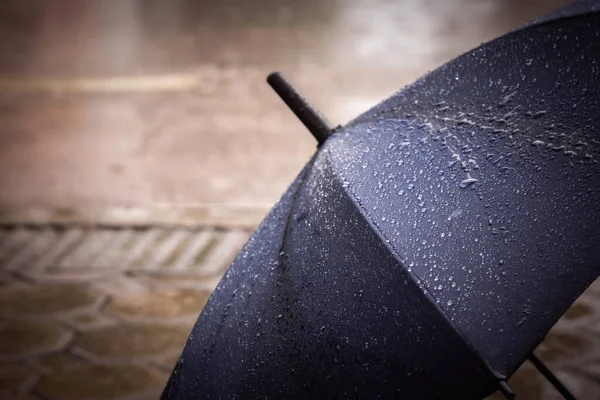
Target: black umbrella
[429,245]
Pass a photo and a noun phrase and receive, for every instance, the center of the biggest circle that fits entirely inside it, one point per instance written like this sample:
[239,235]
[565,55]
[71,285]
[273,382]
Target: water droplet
[537,143]
[467,182]
[450,302]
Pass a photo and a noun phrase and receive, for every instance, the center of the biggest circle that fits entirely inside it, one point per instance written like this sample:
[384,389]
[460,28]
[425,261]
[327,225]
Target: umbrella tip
[273,75]
[506,390]
[503,386]
[307,113]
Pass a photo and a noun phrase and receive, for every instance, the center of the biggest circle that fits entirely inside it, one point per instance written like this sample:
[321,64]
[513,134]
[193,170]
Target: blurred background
[140,144]
[121,109]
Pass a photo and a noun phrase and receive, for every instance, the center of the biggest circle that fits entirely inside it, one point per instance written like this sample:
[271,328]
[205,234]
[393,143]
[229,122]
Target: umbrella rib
[501,380]
[550,377]
[303,176]
[307,113]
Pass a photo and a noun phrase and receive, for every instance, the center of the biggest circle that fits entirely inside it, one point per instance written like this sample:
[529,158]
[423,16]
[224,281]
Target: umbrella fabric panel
[484,176]
[317,305]
[383,335]
[211,366]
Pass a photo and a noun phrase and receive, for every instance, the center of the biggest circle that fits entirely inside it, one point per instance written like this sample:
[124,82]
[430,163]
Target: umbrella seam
[300,183]
[476,357]
[301,180]
[303,177]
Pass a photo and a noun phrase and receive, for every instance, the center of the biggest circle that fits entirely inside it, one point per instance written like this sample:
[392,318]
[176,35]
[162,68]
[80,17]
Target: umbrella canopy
[429,245]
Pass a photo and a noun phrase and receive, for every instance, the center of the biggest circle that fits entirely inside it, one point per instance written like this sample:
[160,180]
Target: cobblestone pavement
[99,313]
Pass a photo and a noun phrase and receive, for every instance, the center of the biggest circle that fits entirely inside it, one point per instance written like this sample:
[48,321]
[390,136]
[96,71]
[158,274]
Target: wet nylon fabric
[330,313]
[501,148]
[431,242]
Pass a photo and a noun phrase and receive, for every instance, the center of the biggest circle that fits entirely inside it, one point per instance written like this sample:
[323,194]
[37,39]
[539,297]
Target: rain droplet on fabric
[467,182]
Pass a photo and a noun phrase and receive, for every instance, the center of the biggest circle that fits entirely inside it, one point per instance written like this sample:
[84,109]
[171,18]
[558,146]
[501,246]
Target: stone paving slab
[103,313]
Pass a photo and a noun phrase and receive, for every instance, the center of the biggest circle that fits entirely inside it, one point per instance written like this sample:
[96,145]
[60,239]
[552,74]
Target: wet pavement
[120,112]
[102,313]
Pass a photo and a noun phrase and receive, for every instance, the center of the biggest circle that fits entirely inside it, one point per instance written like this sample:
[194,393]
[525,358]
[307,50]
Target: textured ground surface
[101,313]
[104,313]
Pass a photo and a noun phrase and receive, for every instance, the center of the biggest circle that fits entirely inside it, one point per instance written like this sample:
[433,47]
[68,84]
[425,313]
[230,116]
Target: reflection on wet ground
[149,102]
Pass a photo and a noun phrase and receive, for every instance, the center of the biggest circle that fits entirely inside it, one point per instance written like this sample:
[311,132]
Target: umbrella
[430,244]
